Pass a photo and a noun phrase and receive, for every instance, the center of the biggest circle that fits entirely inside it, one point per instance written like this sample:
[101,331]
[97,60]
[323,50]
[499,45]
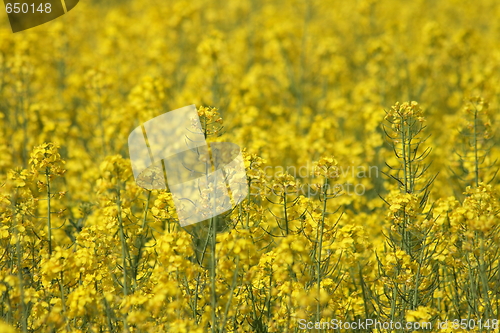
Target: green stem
[233,286]
[484,281]
[285,213]
[124,254]
[24,314]
[476,154]
[320,248]
[213,236]
[49,221]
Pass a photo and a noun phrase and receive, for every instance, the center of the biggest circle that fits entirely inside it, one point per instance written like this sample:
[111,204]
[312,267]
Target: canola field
[369,132]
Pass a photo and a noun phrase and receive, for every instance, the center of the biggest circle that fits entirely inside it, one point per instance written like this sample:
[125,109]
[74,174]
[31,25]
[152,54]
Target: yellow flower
[46,158]
[326,167]
[422,314]
[5,328]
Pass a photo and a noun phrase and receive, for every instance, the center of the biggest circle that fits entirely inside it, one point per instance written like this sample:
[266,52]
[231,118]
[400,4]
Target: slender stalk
[213,229]
[285,212]
[196,291]
[49,221]
[142,241]
[320,249]
[476,153]
[417,278]
[24,314]
[403,148]
[484,280]
[124,254]
[231,291]
[63,299]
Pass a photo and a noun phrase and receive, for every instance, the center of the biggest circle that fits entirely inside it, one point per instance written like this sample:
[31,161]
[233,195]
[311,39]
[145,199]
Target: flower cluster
[45,158]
